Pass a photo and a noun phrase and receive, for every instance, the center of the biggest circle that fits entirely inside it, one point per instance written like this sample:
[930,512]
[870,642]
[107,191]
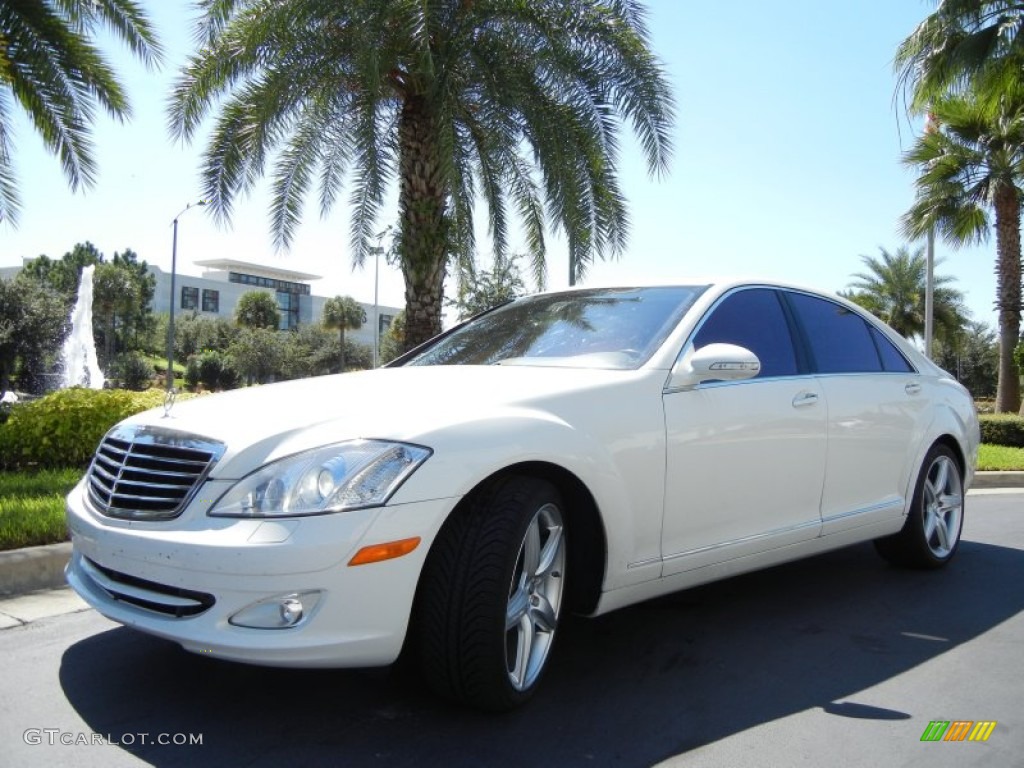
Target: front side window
[840,339]
[618,328]
[753,319]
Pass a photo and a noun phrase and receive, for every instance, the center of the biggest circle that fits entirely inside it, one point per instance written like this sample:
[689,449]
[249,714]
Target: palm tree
[50,66]
[971,164]
[519,101]
[345,314]
[893,289]
[963,46]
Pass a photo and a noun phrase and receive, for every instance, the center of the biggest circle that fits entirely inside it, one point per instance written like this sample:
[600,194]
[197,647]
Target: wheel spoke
[941,479]
[941,528]
[518,607]
[930,521]
[531,549]
[524,648]
[549,555]
[542,613]
[950,502]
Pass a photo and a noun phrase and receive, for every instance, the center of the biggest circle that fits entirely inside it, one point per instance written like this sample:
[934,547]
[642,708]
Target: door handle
[803,399]
[912,388]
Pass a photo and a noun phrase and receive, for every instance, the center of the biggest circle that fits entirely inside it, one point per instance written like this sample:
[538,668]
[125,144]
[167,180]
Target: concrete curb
[998,480]
[35,568]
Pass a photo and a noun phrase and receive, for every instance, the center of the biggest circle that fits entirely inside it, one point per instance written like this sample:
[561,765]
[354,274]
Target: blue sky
[786,163]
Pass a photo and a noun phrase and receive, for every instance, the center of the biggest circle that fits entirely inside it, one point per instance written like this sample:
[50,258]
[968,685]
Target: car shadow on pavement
[631,688]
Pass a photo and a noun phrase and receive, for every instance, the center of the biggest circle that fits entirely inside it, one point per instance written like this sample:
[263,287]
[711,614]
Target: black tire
[931,534]
[477,579]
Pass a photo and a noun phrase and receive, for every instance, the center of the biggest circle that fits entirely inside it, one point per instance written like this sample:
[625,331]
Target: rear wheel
[491,594]
[931,534]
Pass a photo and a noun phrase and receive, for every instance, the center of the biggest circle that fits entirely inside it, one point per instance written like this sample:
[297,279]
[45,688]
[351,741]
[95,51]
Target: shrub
[1002,429]
[192,372]
[64,428]
[134,371]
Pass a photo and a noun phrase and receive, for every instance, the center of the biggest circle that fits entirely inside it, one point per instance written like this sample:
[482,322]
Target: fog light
[280,612]
[291,611]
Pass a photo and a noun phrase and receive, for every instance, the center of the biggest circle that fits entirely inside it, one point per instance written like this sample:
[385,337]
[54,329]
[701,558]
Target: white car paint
[691,482]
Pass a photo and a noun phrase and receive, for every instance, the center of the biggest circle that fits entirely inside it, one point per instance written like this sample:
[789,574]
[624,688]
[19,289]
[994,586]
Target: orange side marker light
[376,553]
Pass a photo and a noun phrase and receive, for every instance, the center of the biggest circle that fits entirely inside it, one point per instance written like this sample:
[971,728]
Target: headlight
[351,475]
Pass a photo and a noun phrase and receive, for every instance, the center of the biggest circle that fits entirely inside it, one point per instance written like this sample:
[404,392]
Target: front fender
[619,457]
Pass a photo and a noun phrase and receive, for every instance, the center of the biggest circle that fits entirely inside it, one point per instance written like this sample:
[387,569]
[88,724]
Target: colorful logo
[958,730]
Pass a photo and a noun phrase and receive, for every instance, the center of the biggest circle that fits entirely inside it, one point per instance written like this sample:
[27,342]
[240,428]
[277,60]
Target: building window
[211,300]
[288,305]
[189,297]
[384,323]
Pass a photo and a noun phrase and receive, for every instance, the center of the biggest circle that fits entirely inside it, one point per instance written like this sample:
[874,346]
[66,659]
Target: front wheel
[931,534]
[491,594]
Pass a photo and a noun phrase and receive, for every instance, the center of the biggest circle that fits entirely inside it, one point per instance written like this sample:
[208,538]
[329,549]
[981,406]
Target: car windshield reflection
[596,328]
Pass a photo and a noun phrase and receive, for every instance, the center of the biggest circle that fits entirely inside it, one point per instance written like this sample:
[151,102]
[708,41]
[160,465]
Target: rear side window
[892,359]
[840,340]
[753,319]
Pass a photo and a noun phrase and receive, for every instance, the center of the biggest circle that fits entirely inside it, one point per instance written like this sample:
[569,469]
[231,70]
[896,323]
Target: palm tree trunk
[1008,295]
[422,206]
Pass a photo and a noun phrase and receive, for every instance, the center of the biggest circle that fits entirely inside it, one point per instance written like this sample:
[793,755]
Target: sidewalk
[32,583]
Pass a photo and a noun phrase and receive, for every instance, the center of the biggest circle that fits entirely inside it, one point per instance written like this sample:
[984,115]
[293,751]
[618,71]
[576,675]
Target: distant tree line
[218,353]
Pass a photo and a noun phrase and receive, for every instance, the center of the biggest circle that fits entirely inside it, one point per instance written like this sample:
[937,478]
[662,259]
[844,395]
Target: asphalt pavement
[835,659]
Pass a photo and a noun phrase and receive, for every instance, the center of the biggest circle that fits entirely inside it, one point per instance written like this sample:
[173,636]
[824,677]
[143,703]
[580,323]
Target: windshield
[595,328]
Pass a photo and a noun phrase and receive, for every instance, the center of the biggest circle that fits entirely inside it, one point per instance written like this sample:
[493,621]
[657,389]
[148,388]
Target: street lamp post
[377,251]
[174,267]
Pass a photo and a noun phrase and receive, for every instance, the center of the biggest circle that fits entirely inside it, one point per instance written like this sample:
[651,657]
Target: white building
[216,292]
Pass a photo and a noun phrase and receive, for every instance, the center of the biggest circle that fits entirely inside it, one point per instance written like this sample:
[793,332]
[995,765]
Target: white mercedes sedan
[576,451]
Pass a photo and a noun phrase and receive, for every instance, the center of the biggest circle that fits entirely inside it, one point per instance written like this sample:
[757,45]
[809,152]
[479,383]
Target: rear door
[876,409]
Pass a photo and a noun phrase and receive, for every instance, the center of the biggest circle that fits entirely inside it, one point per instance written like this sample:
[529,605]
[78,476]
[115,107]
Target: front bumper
[141,574]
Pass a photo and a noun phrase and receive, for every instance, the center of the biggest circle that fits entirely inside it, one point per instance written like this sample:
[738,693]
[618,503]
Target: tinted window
[598,328]
[839,338]
[892,359]
[753,319]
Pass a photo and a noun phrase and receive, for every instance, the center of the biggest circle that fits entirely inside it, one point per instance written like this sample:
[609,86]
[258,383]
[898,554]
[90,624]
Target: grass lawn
[1000,457]
[32,504]
[32,507]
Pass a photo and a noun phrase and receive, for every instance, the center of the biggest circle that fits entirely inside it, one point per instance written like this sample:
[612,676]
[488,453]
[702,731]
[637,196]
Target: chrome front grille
[148,473]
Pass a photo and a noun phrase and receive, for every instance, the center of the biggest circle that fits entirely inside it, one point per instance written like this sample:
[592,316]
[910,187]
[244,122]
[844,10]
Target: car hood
[260,424]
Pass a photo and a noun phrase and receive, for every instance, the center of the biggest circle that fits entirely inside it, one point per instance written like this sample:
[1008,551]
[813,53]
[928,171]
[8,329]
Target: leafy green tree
[520,101]
[970,165]
[257,309]
[116,295]
[63,275]
[32,328]
[963,46]
[123,294]
[308,351]
[51,67]
[256,354]
[343,313]
[392,340]
[138,321]
[480,291]
[194,333]
[973,357]
[893,289]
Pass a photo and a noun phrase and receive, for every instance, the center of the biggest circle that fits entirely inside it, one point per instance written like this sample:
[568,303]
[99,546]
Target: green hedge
[64,428]
[1002,429]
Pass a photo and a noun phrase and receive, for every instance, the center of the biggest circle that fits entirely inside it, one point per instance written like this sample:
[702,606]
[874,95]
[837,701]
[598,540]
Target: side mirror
[714,362]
